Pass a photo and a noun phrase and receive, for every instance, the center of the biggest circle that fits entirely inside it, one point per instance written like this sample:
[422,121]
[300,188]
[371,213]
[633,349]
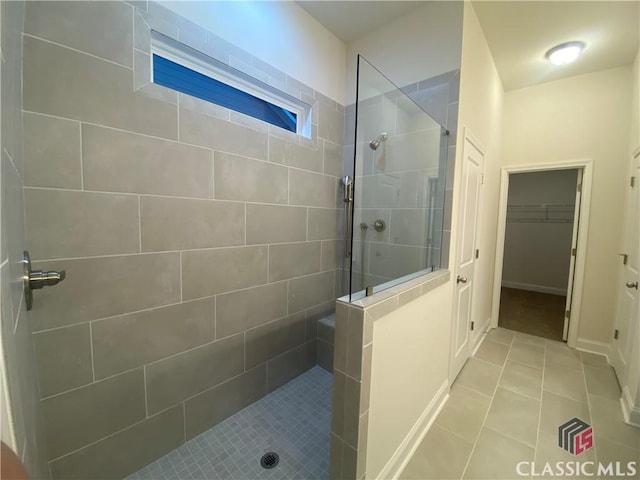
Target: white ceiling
[519,33]
[349,20]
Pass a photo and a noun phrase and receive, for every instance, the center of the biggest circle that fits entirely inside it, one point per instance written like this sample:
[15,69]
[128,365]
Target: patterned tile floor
[293,421]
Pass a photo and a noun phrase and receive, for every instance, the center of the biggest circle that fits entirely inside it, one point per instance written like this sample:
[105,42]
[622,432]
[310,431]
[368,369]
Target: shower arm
[347,186]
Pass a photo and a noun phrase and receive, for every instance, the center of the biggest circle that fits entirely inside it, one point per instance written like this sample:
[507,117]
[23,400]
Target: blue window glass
[177,77]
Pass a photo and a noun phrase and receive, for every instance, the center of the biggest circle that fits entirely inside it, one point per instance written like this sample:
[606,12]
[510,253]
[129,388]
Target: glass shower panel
[400,155]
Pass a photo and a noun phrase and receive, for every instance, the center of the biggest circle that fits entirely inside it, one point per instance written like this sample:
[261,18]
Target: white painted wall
[280,33]
[481,98]
[581,117]
[409,367]
[537,254]
[419,45]
[634,127]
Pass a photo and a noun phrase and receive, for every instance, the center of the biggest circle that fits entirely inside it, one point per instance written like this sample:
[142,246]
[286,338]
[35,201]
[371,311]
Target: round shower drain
[269,460]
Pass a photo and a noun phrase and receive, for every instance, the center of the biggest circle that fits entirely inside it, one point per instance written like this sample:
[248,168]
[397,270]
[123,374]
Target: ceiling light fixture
[565,53]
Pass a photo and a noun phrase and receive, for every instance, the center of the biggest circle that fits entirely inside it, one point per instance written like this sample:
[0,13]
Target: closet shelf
[541,213]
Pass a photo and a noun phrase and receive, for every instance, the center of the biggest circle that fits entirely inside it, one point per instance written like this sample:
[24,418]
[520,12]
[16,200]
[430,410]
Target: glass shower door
[400,155]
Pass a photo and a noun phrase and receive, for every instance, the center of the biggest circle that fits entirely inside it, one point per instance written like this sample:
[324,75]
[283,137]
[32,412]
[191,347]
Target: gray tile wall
[15,322]
[201,246]
[439,97]
[392,185]
[351,388]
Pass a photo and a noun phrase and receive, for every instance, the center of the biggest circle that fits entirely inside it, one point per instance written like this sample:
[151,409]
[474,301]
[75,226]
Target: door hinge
[573,252]
[567,314]
[482,179]
[477,253]
[579,188]
[473,325]
[633,181]
[616,334]
[625,258]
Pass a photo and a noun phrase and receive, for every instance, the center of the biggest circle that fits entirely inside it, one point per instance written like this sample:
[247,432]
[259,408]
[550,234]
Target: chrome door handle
[37,279]
[632,285]
[460,279]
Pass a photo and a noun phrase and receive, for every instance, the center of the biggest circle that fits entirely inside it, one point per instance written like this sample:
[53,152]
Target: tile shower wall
[391,197]
[200,244]
[439,97]
[17,343]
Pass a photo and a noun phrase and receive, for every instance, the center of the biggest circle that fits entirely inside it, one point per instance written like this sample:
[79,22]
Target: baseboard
[407,448]
[630,412]
[592,346]
[535,288]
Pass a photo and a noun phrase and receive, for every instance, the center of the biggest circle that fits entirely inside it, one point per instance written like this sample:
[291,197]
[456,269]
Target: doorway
[540,253]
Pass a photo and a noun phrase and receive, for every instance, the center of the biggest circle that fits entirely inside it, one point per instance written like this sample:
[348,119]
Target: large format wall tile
[312,189]
[129,341]
[181,224]
[286,367]
[409,226]
[241,178]
[213,406]
[101,287]
[386,191]
[323,224]
[52,152]
[275,224]
[63,82]
[116,161]
[331,124]
[82,416]
[333,159]
[244,309]
[211,132]
[177,378]
[64,359]
[125,452]
[13,231]
[330,255]
[68,224]
[19,364]
[396,260]
[72,24]
[12,22]
[294,155]
[196,328]
[288,260]
[275,338]
[305,292]
[209,272]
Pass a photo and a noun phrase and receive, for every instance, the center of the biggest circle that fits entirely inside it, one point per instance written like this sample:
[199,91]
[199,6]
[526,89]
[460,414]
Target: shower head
[374,144]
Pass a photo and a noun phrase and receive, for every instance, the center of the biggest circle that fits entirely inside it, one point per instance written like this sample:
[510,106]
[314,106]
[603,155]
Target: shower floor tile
[294,421]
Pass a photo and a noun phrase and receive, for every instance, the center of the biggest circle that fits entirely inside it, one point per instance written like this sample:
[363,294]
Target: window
[185,70]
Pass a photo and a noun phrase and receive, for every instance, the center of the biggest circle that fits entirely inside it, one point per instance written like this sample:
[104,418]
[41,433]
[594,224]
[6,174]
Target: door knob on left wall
[37,279]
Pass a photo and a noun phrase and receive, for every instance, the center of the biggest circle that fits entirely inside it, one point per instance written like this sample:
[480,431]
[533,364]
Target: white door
[627,311]
[572,262]
[465,259]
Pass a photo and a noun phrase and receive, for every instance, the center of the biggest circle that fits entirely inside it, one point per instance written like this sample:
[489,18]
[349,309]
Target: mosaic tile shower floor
[294,421]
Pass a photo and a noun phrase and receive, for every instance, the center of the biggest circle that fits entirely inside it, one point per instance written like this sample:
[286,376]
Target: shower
[374,144]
